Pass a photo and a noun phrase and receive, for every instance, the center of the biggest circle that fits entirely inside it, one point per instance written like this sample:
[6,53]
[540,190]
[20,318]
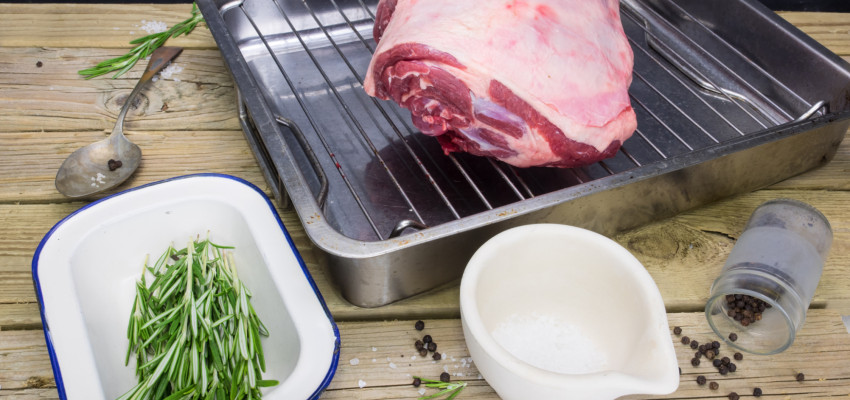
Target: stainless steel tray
[729,98]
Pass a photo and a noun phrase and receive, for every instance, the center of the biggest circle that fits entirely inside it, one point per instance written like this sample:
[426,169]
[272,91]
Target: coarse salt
[354,361]
[169,71]
[361,383]
[550,343]
[374,349]
[421,391]
[392,365]
[413,357]
[154,26]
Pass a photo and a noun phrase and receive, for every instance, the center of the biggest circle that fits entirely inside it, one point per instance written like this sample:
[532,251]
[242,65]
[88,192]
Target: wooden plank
[54,97]
[16,317]
[829,29]
[683,254]
[381,355]
[92,26]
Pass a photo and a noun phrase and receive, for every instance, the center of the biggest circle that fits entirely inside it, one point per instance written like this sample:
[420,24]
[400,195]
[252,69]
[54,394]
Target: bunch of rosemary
[145,46]
[193,329]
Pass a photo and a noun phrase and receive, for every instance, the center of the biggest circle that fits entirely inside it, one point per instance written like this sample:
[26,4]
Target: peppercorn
[694,344]
[723,369]
[686,340]
[733,336]
[733,396]
[38,64]
[419,325]
[695,361]
[732,367]
[419,345]
[417,382]
[423,352]
[715,344]
[427,339]
[432,346]
[757,392]
[701,380]
[445,377]
[725,360]
[114,164]
[800,377]
[716,363]
[677,331]
[709,354]
[739,356]
[437,356]
[713,385]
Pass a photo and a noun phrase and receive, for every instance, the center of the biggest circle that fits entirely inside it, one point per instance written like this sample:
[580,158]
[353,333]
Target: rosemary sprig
[451,388]
[145,46]
[193,329]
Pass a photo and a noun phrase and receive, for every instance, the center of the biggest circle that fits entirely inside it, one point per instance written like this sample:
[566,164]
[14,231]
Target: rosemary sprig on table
[448,387]
[193,329]
[145,46]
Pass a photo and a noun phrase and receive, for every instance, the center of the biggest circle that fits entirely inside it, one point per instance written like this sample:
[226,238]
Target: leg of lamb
[529,82]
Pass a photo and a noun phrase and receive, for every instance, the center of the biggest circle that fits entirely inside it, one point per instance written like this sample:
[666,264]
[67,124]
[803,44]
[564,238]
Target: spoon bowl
[109,162]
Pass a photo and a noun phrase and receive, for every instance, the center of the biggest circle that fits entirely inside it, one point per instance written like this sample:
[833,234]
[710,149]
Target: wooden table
[188,124]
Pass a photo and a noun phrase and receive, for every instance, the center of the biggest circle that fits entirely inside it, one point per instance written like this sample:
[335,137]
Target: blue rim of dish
[54,362]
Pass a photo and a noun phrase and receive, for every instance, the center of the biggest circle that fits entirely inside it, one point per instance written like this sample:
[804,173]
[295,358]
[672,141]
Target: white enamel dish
[85,269]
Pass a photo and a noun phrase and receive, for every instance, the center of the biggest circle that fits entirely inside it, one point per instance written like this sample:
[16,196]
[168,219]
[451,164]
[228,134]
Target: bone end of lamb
[531,83]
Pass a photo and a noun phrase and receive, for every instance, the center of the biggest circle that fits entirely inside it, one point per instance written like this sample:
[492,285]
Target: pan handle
[260,153]
[311,157]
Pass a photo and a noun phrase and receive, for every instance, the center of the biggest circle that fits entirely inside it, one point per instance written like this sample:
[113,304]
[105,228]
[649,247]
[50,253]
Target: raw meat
[532,83]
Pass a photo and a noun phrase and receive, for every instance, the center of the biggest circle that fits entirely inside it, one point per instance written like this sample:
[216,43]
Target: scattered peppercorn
[739,356]
[800,377]
[709,354]
[715,344]
[423,352]
[695,362]
[677,330]
[417,382]
[445,377]
[732,367]
[716,363]
[723,369]
[701,380]
[713,385]
[38,64]
[726,361]
[686,340]
[432,346]
[419,345]
[694,344]
[419,325]
[733,336]
[437,356]
[733,396]
[427,339]
[757,392]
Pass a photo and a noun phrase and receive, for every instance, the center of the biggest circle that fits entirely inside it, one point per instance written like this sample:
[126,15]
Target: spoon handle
[159,59]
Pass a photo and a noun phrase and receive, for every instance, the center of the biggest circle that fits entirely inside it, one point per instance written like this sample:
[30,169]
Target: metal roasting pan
[729,98]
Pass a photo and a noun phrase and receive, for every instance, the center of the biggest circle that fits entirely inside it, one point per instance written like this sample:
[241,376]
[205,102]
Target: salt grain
[550,343]
[154,26]
[354,361]
[392,365]
[170,70]
[374,349]
[361,383]
[412,357]
[421,391]
[374,360]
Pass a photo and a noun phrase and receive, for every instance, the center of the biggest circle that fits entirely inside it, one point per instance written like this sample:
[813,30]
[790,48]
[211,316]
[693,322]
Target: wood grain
[92,26]
[381,355]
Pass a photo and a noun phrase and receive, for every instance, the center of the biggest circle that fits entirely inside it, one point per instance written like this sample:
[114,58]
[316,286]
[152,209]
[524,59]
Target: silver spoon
[106,163]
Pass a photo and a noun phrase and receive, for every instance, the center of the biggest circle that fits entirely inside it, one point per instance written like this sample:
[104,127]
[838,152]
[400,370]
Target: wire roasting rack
[384,204]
